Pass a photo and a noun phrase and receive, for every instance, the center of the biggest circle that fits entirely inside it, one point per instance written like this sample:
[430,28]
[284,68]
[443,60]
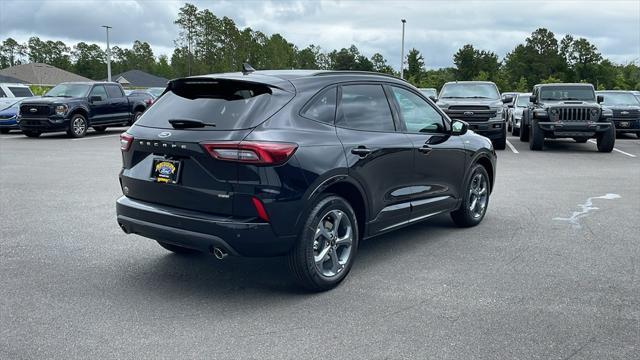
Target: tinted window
[2,94]
[20,91]
[114,91]
[229,104]
[417,115]
[322,107]
[99,91]
[523,100]
[365,107]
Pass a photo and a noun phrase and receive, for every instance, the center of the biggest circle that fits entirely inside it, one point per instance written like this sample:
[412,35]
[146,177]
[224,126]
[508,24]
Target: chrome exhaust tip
[219,253]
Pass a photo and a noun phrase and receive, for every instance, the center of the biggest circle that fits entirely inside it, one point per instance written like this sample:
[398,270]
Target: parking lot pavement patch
[574,219]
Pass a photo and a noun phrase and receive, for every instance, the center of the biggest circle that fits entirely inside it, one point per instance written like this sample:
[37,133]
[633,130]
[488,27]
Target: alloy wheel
[332,243]
[478,195]
[79,126]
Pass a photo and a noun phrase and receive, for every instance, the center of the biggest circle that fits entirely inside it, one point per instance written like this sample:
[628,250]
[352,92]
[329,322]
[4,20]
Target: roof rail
[356,72]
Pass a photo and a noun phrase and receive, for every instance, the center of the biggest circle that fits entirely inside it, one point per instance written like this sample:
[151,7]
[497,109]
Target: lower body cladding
[627,125]
[200,231]
[44,124]
[571,129]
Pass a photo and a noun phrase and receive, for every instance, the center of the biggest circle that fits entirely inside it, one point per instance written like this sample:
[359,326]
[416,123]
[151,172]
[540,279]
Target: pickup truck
[75,106]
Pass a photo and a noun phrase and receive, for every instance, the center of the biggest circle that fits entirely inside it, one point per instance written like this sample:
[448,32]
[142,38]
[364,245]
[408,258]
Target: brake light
[252,152]
[125,141]
[262,213]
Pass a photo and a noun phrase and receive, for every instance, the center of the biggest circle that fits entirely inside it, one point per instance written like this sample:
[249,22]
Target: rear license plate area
[165,171]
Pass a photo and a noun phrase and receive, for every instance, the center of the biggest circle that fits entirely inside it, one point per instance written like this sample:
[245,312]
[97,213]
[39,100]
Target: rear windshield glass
[227,104]
[20,91]
[523,100]
[470,90]
[567,93]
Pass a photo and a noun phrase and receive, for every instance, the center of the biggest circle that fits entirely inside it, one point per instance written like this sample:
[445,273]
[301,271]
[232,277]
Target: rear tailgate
[195,180]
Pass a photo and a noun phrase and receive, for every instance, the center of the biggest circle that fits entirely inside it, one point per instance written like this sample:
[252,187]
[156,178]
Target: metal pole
[402,51]
[108,54]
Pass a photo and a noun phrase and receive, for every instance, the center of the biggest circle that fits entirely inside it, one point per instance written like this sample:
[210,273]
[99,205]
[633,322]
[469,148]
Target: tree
[162,67]
[186,21]
[472,63]
[380,64]
[11,53]
[415,65]
[90,61]
[307,58]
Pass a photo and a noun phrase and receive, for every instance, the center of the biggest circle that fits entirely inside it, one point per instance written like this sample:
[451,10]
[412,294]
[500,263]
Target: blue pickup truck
[75,106]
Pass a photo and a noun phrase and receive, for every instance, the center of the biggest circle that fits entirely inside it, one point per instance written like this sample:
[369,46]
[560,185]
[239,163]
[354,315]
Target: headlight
[61,110]
[554,112]
[540,113]
[594,112]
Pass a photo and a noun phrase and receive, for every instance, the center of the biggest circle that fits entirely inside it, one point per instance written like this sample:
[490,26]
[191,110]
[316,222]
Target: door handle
[361,151]
[425,149]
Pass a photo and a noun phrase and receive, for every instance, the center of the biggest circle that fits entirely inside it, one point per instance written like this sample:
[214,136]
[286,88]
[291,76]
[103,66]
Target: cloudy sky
[436,28]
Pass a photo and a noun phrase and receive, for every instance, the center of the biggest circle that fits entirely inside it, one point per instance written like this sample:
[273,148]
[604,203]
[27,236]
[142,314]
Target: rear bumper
[200,231]
[493,129]
[44,124]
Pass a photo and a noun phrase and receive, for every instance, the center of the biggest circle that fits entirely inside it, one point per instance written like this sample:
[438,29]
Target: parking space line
[614,149]
[95,137]
[513,148]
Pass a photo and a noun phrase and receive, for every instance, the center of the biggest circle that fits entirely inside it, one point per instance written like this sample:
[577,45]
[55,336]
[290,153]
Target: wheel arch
[485,162]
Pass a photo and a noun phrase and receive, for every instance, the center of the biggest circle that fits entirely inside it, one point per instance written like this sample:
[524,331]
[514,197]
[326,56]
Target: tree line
[207,43]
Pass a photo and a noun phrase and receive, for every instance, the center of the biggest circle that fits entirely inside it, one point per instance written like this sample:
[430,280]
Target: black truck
[75,106]
[479,104]
[567,111]
[625,108]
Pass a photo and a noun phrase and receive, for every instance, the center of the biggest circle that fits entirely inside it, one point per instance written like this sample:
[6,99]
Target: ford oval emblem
[33,110]
[468,113]
[164,134]
[624,113]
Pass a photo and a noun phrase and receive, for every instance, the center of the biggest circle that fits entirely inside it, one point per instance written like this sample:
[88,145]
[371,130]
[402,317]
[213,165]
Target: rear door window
[114,91]
[20,91]
[365,107]
[228,104]
[322,107]
[99,91]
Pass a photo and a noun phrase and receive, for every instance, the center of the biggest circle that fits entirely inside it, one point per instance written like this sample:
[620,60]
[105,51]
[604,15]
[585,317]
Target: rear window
[365,107]
[20,91]
[229,104]
[114,91]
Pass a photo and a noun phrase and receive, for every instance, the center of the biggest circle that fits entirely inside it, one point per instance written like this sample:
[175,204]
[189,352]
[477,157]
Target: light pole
[402,51]
[108,54]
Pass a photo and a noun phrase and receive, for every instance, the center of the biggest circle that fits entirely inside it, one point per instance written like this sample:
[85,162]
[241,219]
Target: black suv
[298,163]
[478,103]
[625,109]
[567,111]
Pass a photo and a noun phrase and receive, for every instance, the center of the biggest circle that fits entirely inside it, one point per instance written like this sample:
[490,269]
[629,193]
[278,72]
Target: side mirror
[533,99]
[600,99]
[95,98]
[433,98]
[507,100]
[459,127]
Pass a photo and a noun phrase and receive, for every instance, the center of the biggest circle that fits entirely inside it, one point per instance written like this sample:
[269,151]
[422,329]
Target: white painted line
[96,137]
[513,148]
[615,149]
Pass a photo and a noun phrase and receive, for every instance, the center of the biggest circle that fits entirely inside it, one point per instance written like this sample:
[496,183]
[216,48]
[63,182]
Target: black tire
[509,126]
[515,131]
[607,140]
[524,128]
[301,258]
[31,134]
[638,134]
[501,143]
[464,216]
[4,131]
[100,128]
[135,117]
[537,137]
[581,140]
[77,126]
[177,249]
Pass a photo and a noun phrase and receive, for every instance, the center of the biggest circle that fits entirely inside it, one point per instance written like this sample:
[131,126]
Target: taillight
[149,102]
[262,213]
[125,141]
[252,152]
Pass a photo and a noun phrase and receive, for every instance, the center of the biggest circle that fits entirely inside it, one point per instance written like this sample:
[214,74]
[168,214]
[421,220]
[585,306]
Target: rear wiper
[188,123]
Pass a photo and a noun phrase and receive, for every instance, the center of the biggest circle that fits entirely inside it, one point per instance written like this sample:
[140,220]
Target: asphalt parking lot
[553,272]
